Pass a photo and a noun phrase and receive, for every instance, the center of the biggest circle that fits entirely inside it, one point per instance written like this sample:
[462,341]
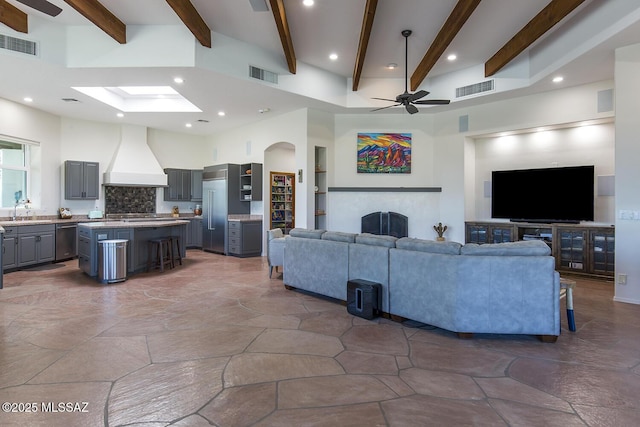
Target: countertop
[139,223]
[78,220]
[243,217]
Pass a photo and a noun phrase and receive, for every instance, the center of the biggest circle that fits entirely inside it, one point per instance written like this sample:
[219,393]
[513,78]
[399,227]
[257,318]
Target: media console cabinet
[577,248]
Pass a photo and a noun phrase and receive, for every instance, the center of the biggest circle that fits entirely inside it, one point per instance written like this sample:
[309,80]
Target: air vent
[264,75]
[70,100]
[474,89]
[18,45]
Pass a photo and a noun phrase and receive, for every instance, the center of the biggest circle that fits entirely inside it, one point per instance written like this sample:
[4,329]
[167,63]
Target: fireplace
[385,223]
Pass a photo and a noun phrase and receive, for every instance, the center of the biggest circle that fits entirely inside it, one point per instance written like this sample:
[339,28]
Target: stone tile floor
[216,342]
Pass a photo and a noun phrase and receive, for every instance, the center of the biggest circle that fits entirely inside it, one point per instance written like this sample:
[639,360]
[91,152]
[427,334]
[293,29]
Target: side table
[567,286]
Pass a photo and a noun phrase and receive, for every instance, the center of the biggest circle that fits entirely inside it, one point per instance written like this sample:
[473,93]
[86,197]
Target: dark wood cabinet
[486,232]
[81,180]
[577,248]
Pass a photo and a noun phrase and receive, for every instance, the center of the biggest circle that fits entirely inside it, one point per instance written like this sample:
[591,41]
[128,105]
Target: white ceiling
[329,26]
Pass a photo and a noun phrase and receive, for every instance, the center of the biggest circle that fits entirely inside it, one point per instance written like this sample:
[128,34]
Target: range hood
[133,163]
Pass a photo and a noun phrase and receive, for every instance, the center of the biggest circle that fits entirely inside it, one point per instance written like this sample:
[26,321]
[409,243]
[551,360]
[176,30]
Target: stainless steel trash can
[112,259]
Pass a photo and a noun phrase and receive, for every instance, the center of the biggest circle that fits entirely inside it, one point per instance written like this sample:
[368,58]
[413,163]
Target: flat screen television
[563,194]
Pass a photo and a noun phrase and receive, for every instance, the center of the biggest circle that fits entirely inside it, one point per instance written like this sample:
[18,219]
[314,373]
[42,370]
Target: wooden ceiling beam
[13,17]
[95,12]
[365,33]
[461,12]
[553,13]
[192,19]
[277,7]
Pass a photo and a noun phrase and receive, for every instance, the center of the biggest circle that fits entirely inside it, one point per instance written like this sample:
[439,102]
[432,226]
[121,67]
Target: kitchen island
[137,231]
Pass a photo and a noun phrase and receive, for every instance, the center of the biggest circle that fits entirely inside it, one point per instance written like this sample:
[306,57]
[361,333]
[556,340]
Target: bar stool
[160,254]
[177,255]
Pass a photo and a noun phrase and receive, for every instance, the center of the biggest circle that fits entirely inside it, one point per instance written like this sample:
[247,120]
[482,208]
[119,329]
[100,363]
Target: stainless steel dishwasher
[66,241]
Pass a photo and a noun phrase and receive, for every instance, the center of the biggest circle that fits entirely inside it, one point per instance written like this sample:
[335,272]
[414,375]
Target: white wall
[19,121]
[345,209]
[627,76]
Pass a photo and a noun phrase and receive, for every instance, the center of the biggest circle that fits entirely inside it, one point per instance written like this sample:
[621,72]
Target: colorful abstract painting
[384,153]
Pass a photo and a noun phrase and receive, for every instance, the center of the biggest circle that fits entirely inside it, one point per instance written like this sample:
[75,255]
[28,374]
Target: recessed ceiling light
[333,56]
[28,99]
[452,57]
[221,113]
[307,3]
[121,115]
[392,65]
[178,80]
[264,110]
[558,79]
[188,125]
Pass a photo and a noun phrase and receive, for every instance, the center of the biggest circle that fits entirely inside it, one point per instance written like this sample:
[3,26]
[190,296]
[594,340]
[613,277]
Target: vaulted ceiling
[492,39]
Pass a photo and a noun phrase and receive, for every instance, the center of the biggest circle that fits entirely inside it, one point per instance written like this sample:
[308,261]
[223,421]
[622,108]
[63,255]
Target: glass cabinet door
[602,252]
[501,234]
[573,250]
[477,234]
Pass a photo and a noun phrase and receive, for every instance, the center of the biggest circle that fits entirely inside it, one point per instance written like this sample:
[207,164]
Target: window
[14,172]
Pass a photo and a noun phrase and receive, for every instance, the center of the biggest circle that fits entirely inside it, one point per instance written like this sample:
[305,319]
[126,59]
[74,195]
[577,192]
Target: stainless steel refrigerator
[220,198]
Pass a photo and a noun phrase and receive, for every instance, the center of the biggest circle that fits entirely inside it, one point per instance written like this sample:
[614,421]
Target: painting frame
[384,152]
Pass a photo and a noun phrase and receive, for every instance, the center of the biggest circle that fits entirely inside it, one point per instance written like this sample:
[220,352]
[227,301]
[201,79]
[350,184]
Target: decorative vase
[440,239]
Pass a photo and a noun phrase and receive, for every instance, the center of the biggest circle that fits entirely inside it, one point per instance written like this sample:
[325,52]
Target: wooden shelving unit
[282,201]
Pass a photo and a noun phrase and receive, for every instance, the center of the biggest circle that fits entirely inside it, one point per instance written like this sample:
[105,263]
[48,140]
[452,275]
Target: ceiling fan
[409,99]
[43,6]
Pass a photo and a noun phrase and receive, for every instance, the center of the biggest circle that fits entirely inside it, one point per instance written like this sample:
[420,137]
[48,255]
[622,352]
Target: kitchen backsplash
[119,200]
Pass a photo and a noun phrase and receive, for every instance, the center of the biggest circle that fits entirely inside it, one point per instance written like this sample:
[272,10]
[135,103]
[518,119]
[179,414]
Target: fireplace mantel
[388,189]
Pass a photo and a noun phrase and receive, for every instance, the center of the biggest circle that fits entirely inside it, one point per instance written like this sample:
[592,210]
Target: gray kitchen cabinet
[194,233]
[196,185]
[245,238]
[9,248]
[251,182]
[179,189]
[88,247]
[36,244]
[81,180]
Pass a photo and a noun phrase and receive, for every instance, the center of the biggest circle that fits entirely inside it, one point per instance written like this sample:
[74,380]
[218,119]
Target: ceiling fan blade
[385,99]
[384,108]
[433,102]
[43,6]
[419,94]
[411,109]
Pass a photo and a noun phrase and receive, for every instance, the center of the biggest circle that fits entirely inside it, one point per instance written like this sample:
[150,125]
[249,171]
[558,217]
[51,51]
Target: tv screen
[564,194]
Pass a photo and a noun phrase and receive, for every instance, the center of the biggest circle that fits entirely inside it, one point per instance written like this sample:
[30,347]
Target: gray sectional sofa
[506,288]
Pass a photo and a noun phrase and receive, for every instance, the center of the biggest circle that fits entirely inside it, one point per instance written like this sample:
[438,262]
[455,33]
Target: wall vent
[18,45]
[474,89]
[264,75]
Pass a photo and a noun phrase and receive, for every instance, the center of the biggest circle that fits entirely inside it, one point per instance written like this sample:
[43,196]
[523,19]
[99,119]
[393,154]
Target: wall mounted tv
[562,194]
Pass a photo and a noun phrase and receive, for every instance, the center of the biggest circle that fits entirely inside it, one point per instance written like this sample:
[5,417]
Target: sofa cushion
[431,246]
[339,236]
[522,248]
[376,240]
[307,233]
